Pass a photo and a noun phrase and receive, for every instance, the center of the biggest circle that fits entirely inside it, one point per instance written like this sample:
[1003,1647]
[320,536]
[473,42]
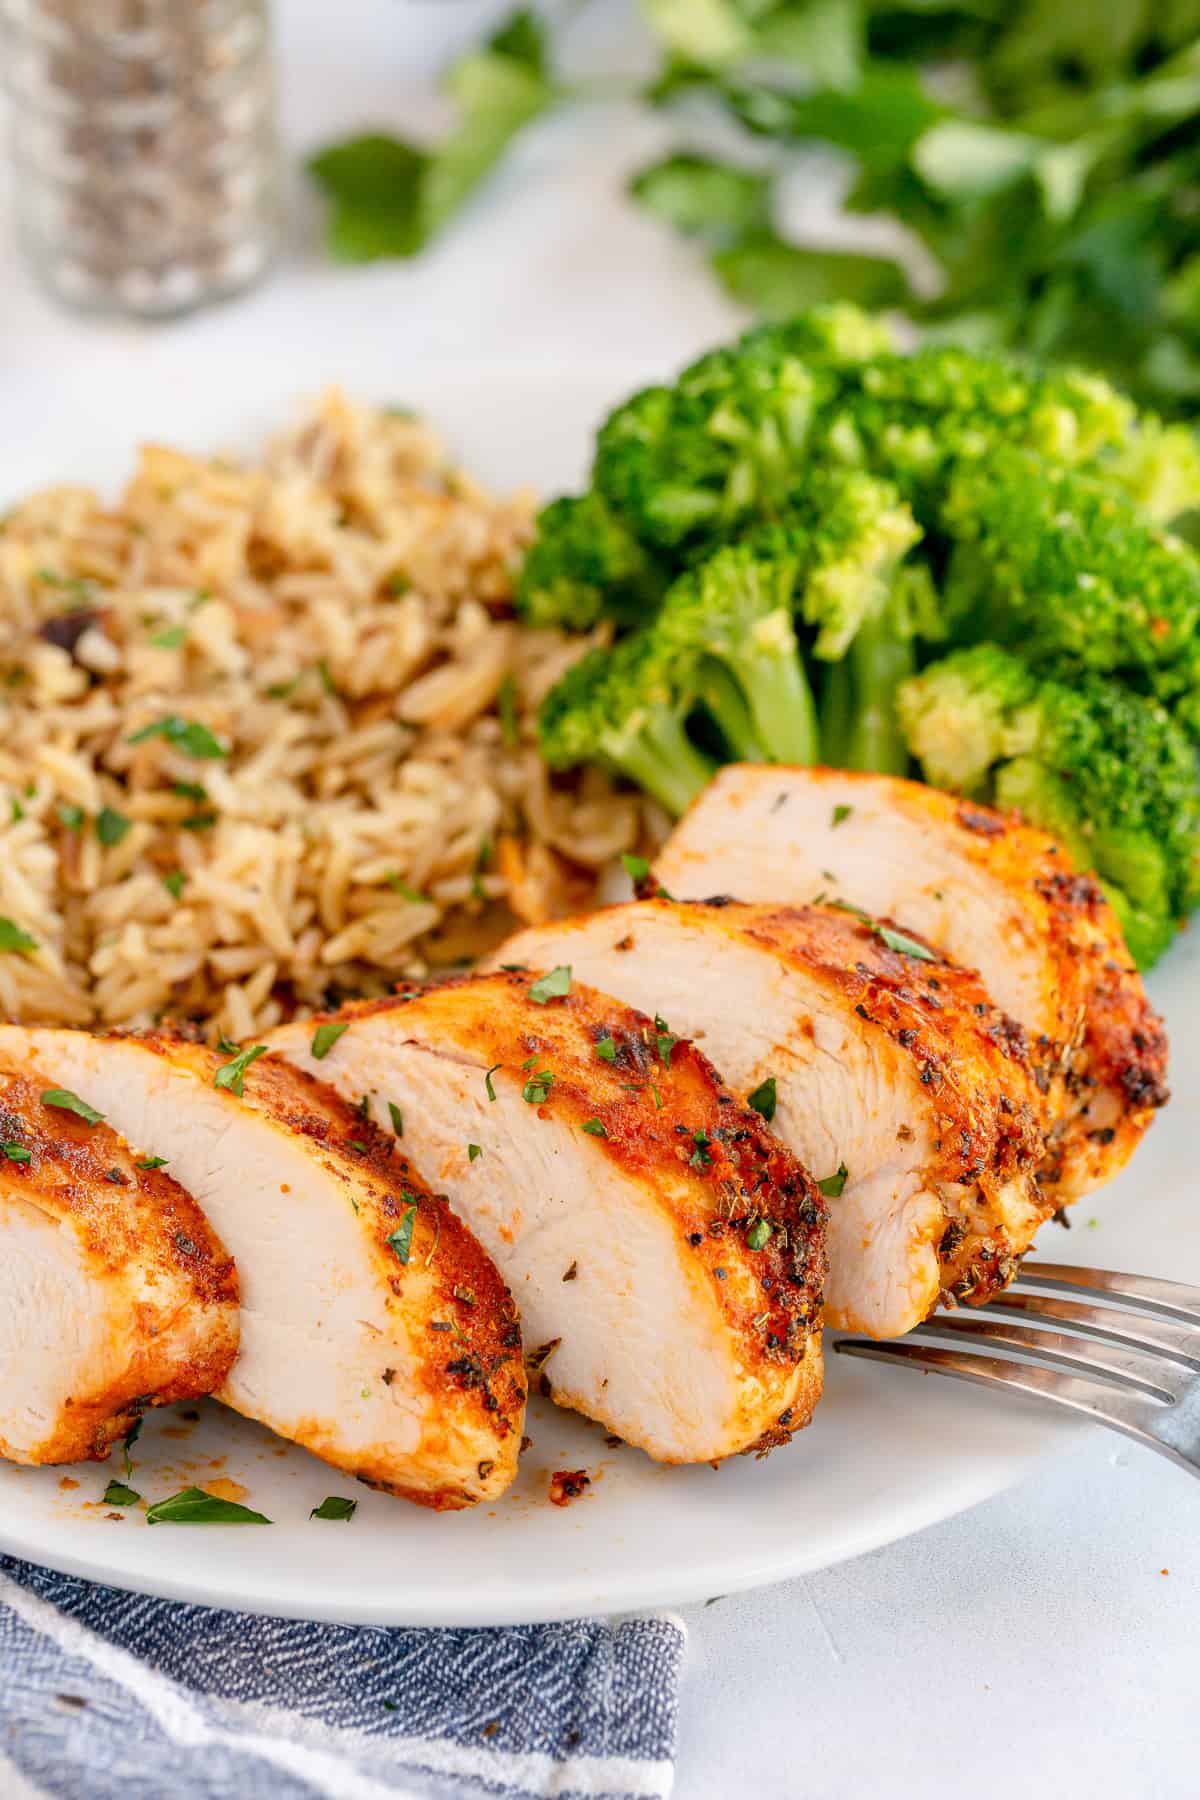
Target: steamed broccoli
[584,566]
[734,613]
[1158,466]
[860,728]
[1107,772]
[628,708]
[1062,565]
[839,335]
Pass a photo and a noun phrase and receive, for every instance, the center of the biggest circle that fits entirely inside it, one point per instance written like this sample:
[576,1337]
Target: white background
[1047,1643]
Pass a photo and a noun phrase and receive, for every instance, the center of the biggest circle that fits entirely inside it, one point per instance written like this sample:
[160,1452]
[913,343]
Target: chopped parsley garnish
[840,815]
[483,858]
[283,690]
[473,1152]
[764,1099]
[192,1506]
[66,1101]
[759,1235]
[13,937]
[111,826]
[506,705]
[657,1098]
[232,1075]
[16,1153]
[327,681]
[606,1048]
[174,883]
[71,817]
[537,1088]
[334,1506]
[397,1118]
[117,1494]
[173,638]
[701,1156]
[199,822]
[152,1162]
[552,986]
[189,790]
[127,1442]
[325,1037]
[356,1144]
[400,1240]
[187,735]
[529,1061]
[413,895]
[18,811]
[487,1080]
[833,1184]
[594,1128]
[514,968]
[636,867]
[666,1040]
[900,941]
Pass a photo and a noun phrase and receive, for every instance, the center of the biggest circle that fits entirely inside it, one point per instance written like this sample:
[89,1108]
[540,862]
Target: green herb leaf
[325,1037]
[117,1494]
[636,867]
[192,1506]
[14,937]
[764,1099]
[666,1041]
[111,826]
[327,681]
[473,1152]
[411,894]
[400,1240]
[553,986]
[17,810]
[658,1102]
[701,1155]
[373,184]
[127,1442]
[174,883]
[232,1075]
[759,1235]
[189,790]
[152,1162]
[199,822]
[334,1506]
[777,278]
[71,817]
[907,946]
[66,1101]
[187,735]
[506,706]
[487,1080]
[840,815]
[173,638]
[702,197]
[606,1049]
[537,1088]
[833,1184]
[594,1128]
[16,1153]
[397,1118]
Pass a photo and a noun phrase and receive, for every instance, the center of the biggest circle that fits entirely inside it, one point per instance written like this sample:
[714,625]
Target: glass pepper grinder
[144,148]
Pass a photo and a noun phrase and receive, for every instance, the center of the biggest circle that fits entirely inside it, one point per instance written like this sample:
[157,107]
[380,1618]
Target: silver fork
[1123,1350]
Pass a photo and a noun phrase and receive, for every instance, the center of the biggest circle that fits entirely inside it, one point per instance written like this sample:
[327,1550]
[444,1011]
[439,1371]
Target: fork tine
[1095,1400]
[1180,1343]
[1129,1369]
[1172,1299]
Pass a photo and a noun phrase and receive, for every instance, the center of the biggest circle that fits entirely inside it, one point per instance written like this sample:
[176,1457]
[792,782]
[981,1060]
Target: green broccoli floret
[912,418]
[584,566]
[628,708]
[840,336]
[860,728]
[1066,567]
[1158,466]
[733,612]
[1106,771]
[690,463]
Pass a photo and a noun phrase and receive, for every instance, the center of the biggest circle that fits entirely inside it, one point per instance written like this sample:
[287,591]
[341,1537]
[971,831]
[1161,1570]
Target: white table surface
[1047,1644]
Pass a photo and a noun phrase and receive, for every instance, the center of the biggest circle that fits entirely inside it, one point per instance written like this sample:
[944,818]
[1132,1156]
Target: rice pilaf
[267,734]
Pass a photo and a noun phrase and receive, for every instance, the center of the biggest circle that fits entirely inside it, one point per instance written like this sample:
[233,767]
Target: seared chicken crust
[119,1297]
[895,1065]
[667,1251]
[992,892]
[375,1330]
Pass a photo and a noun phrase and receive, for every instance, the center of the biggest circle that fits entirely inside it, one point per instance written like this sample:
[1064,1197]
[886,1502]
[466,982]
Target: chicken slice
[374,1329]
[896,1067]
[117,1294]
[993,893]
[666,1252]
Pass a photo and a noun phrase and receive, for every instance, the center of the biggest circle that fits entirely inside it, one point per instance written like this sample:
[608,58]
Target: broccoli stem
[781,705]
[725,701]
[663,759]
[879,660]
[837,711]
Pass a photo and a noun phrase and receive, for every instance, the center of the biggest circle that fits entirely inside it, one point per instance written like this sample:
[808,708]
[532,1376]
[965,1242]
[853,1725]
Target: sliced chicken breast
[117,1295]
[667,1253]
[892,1066]
[374,1329]
[990,891]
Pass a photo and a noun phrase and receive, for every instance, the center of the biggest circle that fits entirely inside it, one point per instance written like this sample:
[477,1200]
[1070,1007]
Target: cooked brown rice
[338,616]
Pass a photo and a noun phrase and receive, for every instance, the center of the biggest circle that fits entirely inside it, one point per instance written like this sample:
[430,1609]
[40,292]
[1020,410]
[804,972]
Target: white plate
[889,1452]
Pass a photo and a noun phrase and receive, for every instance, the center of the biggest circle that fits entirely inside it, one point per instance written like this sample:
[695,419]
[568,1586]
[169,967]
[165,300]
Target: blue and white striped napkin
[109,1696]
